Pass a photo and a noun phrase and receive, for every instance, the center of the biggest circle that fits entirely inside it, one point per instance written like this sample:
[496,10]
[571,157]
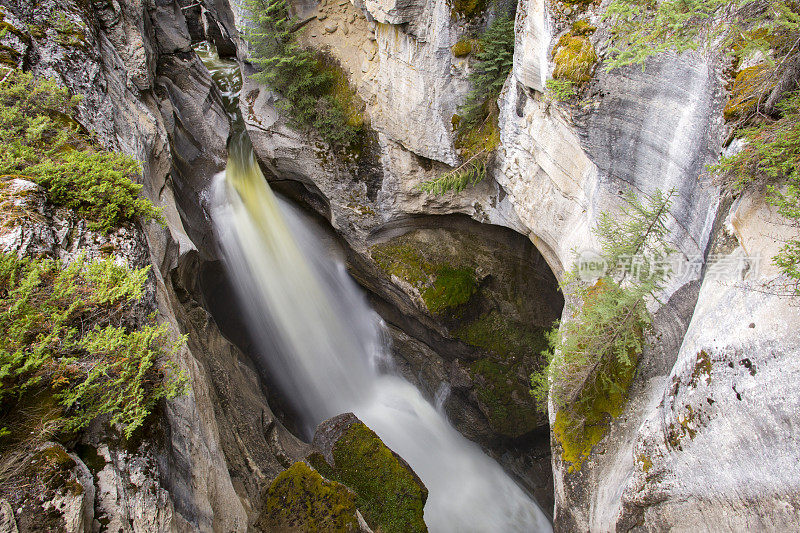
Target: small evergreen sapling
[593,355]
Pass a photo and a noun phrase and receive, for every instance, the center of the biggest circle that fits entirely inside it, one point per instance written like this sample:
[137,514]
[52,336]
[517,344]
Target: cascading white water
[322,343]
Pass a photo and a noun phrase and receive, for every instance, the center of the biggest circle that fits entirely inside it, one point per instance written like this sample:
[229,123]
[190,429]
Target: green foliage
[41,141]
[771,158]
[477,131]
[315,90]
[68,32]
[643,29]
[593,355]
[493,63]
[63,330]
[388,493]
[561,90]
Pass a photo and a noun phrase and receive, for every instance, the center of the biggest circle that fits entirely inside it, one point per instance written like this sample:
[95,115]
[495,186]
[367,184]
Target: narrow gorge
[321,265]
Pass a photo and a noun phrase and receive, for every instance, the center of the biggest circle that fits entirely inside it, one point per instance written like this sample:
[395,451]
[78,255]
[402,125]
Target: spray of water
[322,343]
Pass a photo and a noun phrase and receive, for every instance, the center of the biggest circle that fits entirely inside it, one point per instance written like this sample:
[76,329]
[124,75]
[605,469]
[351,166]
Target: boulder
[389,495]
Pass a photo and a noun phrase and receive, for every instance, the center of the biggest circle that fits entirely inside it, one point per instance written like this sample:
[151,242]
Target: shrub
[41,141]
[561,90]
[771,159]
[477,131]
[315,91]
[593,356]
[63,331]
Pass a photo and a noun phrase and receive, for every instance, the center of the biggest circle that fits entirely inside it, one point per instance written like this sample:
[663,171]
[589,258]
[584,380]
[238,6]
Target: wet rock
[389,495]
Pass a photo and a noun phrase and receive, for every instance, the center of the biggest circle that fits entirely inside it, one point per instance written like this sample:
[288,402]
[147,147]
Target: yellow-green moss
[404,261]
[483,138]
[388,494]
[646,462]
[442,286]
[53,467]
[574,57]
[497,334]
[300,499]
[345,95]
[579,427]
[749,87]
[8,56]
[452,288]
[465,47]
[582,27]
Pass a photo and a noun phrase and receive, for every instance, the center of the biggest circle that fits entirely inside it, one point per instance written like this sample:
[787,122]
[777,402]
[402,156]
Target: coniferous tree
[593,355]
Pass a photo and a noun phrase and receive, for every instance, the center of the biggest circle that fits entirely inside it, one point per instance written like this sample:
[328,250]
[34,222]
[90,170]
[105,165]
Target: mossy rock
[575,58]
[453,287]
[750,86]
[53,466]
[300,499]
[465,47]
[581,426]
[582,27]
[389,495]
[442,286]
[504,399]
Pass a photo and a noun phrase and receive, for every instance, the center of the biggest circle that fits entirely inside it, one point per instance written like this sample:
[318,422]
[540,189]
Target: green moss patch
[465,47]
[389,495]
[452,288]
[443,287]
[749,87]
[300,499]
[503,397]
[503,337]
[578,428]
[501,380]
[574,57]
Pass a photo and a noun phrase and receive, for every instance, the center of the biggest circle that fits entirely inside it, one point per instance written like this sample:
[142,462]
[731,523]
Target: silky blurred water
[324,346]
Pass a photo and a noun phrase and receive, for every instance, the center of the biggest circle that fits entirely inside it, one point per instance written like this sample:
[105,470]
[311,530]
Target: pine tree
[593,355]
[315,91]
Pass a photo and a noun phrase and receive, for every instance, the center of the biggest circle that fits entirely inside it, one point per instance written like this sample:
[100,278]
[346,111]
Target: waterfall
[323,344]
